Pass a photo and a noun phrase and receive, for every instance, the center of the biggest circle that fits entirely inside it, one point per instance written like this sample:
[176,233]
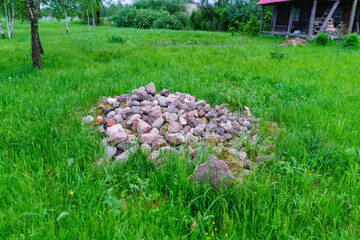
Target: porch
[307,18]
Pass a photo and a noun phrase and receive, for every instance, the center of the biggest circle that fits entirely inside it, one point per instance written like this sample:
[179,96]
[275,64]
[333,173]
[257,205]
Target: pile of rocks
[294,42]
[170,122]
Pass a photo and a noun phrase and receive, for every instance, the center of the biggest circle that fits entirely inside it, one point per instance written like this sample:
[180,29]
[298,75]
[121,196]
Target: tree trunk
[1,30]
[106,13]
[93,16]
[87,13]
[35,40]
[98,17]
[8,19]
[39,41]
[13,20]
[66,22]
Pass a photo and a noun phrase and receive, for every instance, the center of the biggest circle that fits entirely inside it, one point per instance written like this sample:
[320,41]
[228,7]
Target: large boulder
[214,171]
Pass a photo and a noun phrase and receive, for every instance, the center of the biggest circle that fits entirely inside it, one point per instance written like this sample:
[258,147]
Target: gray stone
[155,155]
[211,114]
[163,101]
[110,152]
[176,104]
[199,130]
[135,103]
[207,108]
[156,112]
[172,98]
[131,119]
[158,143]
[88,119]
[145,148]
[158,123]
[150,88]
[201,102]
[165,92]
[148,138]
[117,137]
[140,126]
[211,127]
[215,172]
[189,116]
[111,101]
[246,124]
[174,127]
[202,113]
[120,159]
[114,129]
[182,121]
[170,117]
[227,126]
[124,146]
[172,109]
[242,155]
[175,139]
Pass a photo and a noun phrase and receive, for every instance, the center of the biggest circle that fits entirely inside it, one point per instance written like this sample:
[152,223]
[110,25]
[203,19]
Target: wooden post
[331,13]
[312,19]
[262,18]
[291,17]
[274,17]
[352,16]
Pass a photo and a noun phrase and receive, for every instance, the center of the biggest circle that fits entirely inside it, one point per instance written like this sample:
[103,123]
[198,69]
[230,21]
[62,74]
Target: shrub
[253,25]
[146,18]
[322,39]
[352,40]
[116,39]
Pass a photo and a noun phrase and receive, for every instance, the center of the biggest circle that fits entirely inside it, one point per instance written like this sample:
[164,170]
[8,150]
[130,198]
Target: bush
[322,39]
[352,40]
[116,39]
[253,25]
[145,18]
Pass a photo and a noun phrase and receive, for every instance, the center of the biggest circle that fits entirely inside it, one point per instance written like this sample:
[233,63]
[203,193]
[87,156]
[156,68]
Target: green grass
[311,192]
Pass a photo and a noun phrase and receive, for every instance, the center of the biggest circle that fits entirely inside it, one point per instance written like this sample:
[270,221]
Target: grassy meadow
[311,191]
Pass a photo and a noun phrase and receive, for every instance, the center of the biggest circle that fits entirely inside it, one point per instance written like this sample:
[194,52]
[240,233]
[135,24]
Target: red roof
[271,1]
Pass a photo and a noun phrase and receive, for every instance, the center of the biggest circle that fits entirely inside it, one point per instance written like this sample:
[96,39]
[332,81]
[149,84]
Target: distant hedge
[146,18]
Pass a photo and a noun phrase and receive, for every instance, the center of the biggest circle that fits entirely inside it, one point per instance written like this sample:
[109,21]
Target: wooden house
[307,18]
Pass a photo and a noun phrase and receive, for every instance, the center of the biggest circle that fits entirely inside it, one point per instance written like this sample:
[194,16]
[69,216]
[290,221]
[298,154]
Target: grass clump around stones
[309,191]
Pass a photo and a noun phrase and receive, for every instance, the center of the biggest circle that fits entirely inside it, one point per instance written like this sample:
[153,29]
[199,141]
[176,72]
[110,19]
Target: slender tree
[9,16]
[102,4]
[33,8]
[1,30]
[62,8]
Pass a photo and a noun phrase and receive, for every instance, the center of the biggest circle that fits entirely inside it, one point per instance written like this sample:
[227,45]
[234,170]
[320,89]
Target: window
[338,14]
[296,14]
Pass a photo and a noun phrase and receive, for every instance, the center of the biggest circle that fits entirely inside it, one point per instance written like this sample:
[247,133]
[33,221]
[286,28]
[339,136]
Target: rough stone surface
[150,88]
[214,171]
[174,127]
[110,152]
[140,126]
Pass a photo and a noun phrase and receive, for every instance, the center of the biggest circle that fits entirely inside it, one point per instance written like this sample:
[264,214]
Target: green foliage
[309,191]
[118,38]
[145,18]
[322,39]
[253,25]
[352,40]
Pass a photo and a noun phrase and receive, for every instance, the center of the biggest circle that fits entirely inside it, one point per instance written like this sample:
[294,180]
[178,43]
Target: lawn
[311,190]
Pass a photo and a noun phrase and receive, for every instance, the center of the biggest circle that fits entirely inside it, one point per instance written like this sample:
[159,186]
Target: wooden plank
[312,19]
[352,16]
[291,17]
[274,18]
[331,13]
[262,18]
